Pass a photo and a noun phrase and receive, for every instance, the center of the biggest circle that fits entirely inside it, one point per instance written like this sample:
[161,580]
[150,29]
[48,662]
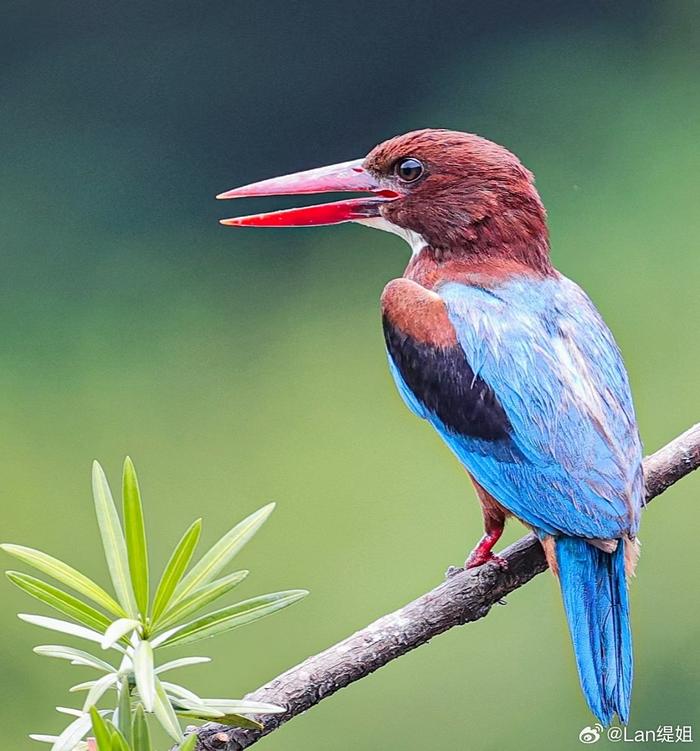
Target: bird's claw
[474,561]
[480,559]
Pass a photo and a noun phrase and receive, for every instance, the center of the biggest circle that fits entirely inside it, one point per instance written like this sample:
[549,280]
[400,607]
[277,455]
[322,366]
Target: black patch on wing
[442,380]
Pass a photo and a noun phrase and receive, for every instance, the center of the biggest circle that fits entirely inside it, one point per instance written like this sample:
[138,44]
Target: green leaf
[55,624]
[98,689]
[222,552]
[141,737]
[118,630]
[175,568]
[181,663]
[110,725]
[70,711]
[200,713]
[85,686]
[75,656]
[190,743]
[73,734]
[162,637]
[240,721]
[233,616]
[124,710]
[145,674]
[113,540]
[102,734]
[43,738]
[135,537]
[201,597]
[225,711]
[242,706]
[66,575]
[181,692]
[119,742]
[166,714]
[59,600]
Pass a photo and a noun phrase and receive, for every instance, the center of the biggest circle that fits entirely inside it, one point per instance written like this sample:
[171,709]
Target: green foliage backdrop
[238,367]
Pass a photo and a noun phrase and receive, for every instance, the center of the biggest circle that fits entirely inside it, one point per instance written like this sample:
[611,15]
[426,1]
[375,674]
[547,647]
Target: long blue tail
[594,588]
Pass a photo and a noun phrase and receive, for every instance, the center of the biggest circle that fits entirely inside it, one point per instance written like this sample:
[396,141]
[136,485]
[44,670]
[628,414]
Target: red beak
[336,178]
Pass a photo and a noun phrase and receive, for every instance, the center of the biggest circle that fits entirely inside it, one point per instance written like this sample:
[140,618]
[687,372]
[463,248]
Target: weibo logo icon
[590,734]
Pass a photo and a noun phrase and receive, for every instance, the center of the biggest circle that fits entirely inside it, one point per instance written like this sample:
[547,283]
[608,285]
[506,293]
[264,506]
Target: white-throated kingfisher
[511,364]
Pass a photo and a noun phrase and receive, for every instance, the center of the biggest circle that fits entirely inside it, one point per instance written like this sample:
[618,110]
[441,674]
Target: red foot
[480,557]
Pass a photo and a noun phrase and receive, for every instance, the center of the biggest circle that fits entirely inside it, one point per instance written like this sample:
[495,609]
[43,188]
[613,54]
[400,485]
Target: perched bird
[511,364]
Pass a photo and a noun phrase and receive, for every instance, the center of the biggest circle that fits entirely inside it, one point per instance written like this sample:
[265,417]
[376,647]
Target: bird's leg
[494,522]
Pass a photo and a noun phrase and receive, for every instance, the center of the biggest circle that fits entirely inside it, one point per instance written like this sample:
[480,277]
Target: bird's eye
[408,170]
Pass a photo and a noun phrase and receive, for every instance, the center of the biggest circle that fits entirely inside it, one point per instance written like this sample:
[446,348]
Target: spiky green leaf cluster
[132,626]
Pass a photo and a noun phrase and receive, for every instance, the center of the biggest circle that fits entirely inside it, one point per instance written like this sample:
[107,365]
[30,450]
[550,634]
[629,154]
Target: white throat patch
[416,241]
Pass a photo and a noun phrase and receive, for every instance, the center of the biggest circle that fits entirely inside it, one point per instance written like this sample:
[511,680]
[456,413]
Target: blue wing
[571,463]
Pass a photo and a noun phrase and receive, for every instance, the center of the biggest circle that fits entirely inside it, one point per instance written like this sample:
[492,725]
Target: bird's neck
[431,267]
[494,236]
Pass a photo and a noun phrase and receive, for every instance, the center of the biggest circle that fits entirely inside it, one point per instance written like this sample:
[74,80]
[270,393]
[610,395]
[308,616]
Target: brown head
[458,194]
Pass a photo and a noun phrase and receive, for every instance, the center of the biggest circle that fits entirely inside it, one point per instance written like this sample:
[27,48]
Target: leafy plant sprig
[132,626]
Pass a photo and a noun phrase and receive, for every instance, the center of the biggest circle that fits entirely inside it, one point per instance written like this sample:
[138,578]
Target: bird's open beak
[336,178]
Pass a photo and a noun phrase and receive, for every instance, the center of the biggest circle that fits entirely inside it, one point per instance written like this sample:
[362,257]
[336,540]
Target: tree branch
[462,598]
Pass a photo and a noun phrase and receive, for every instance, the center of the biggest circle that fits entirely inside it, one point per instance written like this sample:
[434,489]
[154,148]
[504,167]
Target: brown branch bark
[462,598]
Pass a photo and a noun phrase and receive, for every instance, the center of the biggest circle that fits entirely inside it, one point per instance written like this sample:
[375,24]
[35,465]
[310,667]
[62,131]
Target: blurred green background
[239,366]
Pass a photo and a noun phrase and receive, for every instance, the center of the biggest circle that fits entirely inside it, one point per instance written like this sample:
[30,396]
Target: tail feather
[594,589]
